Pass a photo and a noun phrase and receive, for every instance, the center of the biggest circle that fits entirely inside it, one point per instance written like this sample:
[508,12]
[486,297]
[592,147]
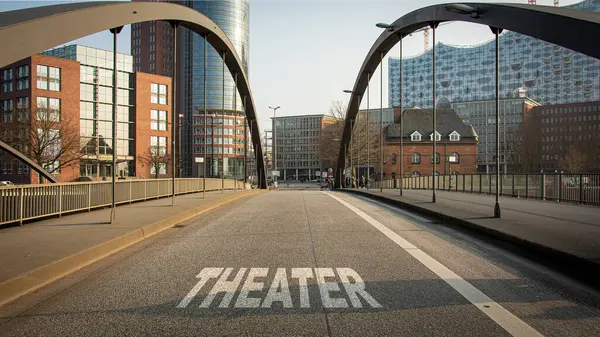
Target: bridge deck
[562,227]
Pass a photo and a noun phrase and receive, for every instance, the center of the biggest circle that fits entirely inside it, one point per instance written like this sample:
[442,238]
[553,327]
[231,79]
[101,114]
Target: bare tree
[358,147]
[157,158]
[49,138]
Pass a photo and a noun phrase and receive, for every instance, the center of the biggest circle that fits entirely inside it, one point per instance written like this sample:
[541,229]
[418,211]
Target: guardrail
[578,187]
[26,202]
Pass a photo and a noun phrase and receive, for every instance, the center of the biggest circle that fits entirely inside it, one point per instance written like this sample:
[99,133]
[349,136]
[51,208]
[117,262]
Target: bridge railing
[581,188]
[27,202]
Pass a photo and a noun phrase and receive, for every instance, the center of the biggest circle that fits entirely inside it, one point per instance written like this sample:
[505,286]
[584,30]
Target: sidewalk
[564,235]
[38,253]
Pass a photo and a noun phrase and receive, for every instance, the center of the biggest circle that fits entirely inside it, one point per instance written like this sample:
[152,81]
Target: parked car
[6,183]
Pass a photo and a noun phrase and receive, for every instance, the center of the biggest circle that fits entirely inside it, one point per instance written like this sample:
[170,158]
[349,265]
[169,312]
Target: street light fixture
[463,9]
[385,26]
[275,142]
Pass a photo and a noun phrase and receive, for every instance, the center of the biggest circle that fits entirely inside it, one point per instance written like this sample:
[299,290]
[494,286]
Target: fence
[19,203]
[579,188]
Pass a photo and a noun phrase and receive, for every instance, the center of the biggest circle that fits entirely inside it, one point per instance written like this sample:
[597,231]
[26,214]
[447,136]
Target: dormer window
[415,136]
[454,136]
[438,137]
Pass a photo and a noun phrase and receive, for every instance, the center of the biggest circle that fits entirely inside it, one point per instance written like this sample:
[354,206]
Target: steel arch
[558,25]
[23,32]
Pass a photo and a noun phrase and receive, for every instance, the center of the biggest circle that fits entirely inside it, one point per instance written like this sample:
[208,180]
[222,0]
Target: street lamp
[274,142]
[352,147]
[385,26]
[463,9]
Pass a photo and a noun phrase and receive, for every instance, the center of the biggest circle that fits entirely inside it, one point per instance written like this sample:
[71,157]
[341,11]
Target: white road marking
[224,286]
[326,287]
[274,295]
[509,322]
[356,288]
[204,276]
[303,274]
[243,301]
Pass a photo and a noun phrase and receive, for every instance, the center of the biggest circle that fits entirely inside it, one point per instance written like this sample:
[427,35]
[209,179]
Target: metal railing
[26,202]
[580,188]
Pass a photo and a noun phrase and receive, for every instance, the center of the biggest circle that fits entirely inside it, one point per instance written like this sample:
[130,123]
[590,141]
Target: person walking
[362,181]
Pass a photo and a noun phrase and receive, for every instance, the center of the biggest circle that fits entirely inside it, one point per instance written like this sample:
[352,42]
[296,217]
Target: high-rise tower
[152,45]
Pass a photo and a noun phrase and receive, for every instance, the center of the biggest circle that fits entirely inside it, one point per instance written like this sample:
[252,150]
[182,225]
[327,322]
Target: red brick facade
[143,130]
[467,156]
[69,111]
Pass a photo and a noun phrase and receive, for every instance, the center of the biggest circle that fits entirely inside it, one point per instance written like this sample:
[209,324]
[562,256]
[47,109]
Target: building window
[6,111]
[48,109]
[23,77]
[415,136]
[158,120]
[415,174]
[454,158]
[158,146]
[437,158]
[454,136]
[415,158]
[48,78]
[158,93]
[393,158]
[438,137]
[7,80]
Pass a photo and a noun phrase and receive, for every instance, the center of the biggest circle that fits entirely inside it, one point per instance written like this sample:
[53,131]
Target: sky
[304,53]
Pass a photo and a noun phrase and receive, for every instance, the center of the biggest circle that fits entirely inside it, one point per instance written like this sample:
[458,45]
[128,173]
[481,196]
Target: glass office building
[548,73]
[96,104]
[232,16]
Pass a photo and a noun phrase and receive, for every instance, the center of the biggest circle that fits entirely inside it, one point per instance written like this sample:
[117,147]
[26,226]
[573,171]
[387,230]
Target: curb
[582,269]
[18,286]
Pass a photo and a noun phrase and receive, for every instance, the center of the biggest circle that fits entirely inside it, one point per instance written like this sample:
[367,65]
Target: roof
[421,120]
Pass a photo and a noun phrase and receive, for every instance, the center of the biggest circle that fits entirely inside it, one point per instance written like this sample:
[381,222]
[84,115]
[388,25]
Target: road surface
[308,263]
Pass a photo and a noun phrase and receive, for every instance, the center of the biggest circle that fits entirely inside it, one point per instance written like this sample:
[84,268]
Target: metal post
[115,31]
[21,205]
[235,157]
[434,154]
[174,115]
[381,122]
[401,124]
[513,185]
[245,144]
[496,32]
[580,188]
[205,122]
[59,201]
[368,139]
[526,186]
[351,150]
[223,128]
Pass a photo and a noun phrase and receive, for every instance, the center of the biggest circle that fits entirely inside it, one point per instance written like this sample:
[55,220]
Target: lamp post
[115,31]
[274,142]
[352,139]
[179,160]
[401,121]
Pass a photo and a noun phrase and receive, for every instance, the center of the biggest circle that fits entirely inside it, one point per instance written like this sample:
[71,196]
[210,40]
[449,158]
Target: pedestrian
[362,181]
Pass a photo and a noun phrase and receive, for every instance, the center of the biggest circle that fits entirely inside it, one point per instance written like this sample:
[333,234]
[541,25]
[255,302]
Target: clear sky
[303,53]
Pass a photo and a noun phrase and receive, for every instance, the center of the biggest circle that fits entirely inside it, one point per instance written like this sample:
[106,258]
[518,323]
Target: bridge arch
[558,25]
[20,29]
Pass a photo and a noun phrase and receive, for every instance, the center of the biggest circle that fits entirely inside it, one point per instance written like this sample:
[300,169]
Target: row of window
[6,167]
[416,136]
[415,158]
[553,111]
[218,150]
[48,109]
[554,120]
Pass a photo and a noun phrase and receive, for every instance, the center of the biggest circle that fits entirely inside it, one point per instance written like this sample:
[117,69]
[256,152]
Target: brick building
[561,137]
[39,93]
[74,83]
[454,138]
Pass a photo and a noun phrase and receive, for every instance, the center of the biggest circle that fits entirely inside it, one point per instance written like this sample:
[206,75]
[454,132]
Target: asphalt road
[308,263]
